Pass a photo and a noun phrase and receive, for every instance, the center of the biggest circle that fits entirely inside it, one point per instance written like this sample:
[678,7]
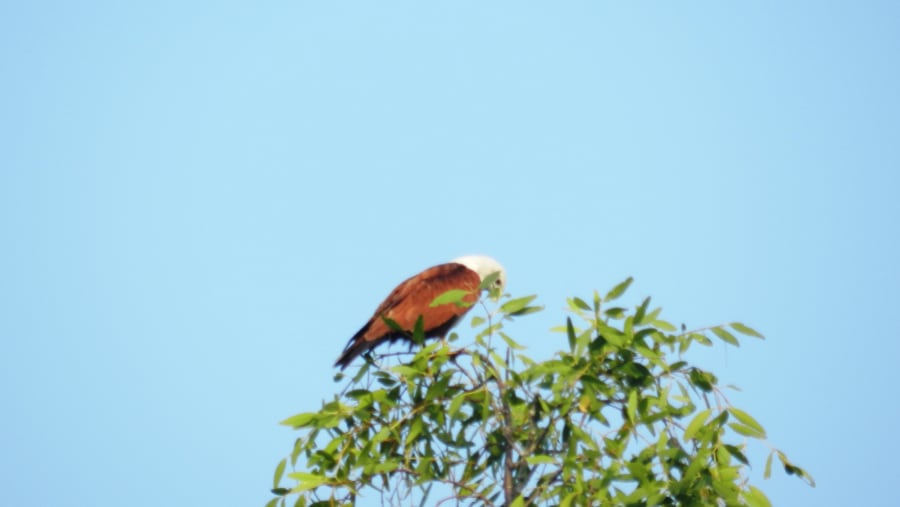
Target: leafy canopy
[619,417]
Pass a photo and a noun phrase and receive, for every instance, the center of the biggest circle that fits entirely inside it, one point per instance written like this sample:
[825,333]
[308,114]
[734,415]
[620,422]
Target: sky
[201,202]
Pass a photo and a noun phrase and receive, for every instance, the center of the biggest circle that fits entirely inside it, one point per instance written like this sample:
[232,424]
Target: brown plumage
[412,299]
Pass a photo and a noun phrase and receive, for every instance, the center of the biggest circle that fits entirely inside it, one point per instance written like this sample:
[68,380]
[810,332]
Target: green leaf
[700,338]
[406,371]
[518,502]
[515,305]
[698,463]
[805,476]
[279,472]
[768,470]
[677,365]
[307,481]
[456,404]
[526,311]
[725,336]
[745,430]
[580,303]
[737,453]
[618,290]
[747,420]
[741,328]
[300,420]
[756,498]
[792,469]
[540,459]
[695,424]
[415,430]
[570,333]
[631,408]
[454,296]
[663,325]
[387,466]
[662,442]
[641,312]
[418,336]
[510,342]
[701,379]
[613,336]
[615,312]
[477,321]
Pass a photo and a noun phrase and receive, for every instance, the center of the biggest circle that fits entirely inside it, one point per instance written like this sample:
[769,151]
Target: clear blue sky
[200,203]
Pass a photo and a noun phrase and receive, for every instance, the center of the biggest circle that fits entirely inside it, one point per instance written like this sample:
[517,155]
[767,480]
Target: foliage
[618,418]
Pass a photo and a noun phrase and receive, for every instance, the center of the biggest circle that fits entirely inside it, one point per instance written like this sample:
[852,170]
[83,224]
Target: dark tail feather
[354,349]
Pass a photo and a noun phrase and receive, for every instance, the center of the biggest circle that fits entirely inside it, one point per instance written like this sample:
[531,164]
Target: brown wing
[412,299]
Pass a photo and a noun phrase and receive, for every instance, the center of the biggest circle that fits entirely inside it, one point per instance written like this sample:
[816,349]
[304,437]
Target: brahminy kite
[413,299]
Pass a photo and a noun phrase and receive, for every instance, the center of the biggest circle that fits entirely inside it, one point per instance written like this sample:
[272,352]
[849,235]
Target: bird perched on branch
[414,298]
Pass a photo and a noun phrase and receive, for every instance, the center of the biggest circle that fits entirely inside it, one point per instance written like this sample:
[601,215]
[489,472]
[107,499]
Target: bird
[413,299]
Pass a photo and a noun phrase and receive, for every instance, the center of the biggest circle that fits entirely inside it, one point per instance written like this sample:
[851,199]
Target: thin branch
[453,483]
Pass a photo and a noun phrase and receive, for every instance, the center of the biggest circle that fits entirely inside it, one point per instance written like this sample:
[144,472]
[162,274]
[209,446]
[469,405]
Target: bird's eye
[497,282]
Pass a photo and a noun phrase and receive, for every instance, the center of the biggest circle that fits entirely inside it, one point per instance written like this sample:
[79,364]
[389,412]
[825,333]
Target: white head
[484,266]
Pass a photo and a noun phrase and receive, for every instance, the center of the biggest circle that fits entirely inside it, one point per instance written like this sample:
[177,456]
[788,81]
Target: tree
[619,417]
